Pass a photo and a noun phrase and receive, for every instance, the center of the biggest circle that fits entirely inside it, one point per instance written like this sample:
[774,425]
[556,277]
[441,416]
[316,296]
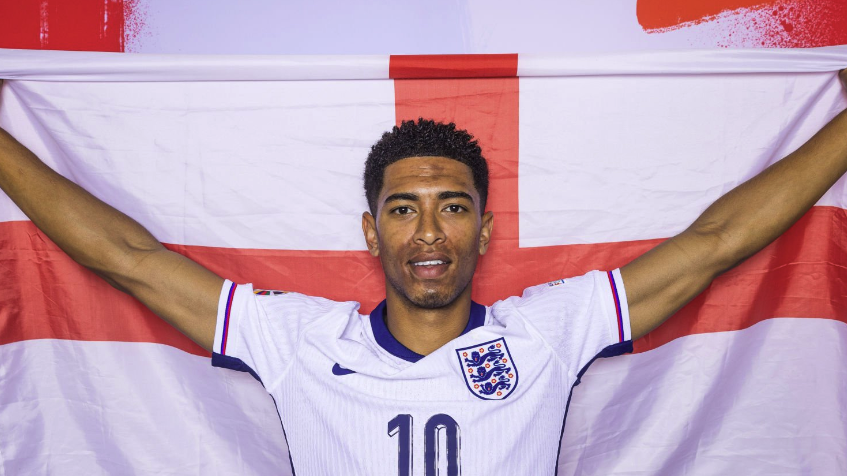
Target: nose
[429,230]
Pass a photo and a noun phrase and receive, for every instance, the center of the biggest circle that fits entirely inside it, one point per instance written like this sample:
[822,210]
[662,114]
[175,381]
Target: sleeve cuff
[621,330]
[222,325]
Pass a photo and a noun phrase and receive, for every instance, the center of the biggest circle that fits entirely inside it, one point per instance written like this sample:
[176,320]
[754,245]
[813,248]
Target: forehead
[426,172]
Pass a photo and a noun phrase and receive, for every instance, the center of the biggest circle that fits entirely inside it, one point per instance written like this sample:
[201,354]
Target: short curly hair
[423,138]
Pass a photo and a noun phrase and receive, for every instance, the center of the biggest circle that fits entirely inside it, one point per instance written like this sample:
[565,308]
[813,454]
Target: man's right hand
[111,244]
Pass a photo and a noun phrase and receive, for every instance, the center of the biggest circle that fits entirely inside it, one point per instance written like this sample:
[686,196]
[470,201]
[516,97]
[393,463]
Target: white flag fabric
[252,165]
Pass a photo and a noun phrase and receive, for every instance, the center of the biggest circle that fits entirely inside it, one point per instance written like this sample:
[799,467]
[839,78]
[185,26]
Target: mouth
[429,267]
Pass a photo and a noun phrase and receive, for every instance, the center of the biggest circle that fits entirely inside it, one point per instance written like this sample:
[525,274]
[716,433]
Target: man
[430,381]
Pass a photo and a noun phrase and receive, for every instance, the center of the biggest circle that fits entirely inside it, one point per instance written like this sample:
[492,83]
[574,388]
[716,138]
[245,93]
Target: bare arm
[736,226]
[111,244]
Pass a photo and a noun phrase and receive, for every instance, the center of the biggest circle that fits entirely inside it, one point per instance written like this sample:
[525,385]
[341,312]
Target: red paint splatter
[750,23]
[662,14]
[80,25]
[135,25]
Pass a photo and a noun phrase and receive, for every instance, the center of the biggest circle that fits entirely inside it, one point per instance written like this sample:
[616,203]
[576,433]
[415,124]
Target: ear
[485,231]
[371,236]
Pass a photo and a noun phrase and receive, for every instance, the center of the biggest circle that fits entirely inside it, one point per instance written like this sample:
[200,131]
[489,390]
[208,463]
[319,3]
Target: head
[427,185]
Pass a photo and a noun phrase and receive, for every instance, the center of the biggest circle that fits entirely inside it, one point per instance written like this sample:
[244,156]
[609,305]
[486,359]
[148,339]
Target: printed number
[436,426]
[432,431]
[402,424]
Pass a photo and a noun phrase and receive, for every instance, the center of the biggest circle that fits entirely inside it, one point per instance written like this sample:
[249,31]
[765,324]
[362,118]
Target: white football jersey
[354,401]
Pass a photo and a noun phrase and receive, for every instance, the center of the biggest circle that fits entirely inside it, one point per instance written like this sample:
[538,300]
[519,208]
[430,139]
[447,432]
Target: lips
[429,265]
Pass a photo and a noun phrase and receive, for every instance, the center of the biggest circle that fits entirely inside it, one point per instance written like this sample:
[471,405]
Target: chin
[424,297]
[434,298]
[431,300]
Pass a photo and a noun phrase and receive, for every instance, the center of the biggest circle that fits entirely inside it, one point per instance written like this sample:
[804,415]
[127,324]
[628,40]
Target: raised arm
[111,244]
[739,224]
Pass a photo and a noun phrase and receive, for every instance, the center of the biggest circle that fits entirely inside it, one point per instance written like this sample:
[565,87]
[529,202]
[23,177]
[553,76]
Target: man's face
[428,231]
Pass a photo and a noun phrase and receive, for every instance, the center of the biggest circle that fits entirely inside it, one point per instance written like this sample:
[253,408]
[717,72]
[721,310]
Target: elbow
[121,265]
[725,248]
[110,280]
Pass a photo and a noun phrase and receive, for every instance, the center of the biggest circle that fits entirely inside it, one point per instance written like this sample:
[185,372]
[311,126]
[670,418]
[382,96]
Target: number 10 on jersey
[441,433]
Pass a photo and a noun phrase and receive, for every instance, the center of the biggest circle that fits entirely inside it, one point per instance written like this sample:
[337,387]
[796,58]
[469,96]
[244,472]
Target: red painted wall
[82,25]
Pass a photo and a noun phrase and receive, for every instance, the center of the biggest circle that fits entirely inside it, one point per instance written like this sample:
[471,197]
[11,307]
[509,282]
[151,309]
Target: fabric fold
[119,67]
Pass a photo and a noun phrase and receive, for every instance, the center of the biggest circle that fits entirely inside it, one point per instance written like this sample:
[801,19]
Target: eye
[456,208]
[402,210]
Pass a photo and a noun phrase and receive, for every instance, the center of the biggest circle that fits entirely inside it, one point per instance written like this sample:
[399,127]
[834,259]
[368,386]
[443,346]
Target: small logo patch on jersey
[339,370]
[556,282]
[268,292]
[489,371]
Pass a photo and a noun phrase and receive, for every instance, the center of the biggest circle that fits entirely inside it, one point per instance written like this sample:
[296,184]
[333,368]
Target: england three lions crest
[489,370]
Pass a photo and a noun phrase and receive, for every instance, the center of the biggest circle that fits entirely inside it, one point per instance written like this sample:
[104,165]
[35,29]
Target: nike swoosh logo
[339,370]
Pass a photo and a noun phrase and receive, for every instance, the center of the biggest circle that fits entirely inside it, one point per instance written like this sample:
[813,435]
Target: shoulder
[573,286]
[554,296]
[576,317]
[291,303]
[288,307]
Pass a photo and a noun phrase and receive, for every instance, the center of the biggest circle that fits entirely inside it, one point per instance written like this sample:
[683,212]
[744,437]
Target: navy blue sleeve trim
[613,350]
[232,363]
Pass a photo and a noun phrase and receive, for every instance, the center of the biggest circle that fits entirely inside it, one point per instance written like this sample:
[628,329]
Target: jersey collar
[394,347]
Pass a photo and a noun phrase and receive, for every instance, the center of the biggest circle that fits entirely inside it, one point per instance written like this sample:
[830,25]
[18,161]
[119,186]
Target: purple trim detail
[232,363]
[226,318]
[394,347]
[617,305]
[611,351]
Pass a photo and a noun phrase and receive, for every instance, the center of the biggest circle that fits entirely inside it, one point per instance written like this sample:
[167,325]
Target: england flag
[252,165]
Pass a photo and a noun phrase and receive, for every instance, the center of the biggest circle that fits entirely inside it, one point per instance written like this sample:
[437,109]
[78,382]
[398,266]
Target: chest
[486,403]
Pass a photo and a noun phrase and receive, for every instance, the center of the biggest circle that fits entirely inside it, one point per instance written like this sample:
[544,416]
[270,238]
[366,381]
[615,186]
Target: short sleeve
[581,318]
[259,331]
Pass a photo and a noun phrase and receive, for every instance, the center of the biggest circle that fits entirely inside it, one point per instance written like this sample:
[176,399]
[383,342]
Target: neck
[425,330]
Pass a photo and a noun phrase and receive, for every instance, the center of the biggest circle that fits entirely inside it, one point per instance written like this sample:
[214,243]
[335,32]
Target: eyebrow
[449,195]
[411,197]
